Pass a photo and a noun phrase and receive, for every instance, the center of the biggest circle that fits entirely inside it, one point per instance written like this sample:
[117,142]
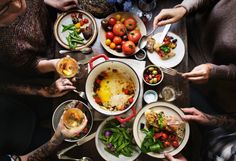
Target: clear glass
[146,6]
[169,93]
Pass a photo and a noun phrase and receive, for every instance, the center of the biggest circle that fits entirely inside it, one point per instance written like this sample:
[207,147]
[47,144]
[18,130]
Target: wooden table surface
[89,148]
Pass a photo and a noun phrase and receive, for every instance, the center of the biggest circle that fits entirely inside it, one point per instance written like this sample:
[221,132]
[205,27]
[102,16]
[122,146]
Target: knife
[61,153]
[163,34]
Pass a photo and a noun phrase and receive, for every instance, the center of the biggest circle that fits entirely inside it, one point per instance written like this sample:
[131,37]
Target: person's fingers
[168,157]
[196,78]
[155,22]
[165,22]
[67,82]
[193,74]
[65,8]
[191,118]
[191,110]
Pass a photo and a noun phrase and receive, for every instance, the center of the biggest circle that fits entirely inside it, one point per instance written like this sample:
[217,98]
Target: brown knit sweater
[212,39]
[212,35]
[24,42]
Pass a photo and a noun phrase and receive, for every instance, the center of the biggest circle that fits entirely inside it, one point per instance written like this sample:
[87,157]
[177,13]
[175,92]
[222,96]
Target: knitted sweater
[24,42]
[211,35]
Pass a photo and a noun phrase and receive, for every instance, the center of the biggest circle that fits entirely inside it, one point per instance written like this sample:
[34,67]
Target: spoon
[85,50]
[143,40]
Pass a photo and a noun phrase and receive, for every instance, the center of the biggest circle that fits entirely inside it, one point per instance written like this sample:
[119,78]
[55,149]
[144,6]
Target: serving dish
[101,146]
[169,110]
[65,20]
[124,15]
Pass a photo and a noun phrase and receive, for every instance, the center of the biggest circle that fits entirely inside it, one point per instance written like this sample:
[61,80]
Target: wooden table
[89,148]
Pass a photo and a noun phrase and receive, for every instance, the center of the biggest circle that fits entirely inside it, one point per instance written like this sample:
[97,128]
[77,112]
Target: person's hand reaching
[192,114]
[179,157]
[59,88]
[62,5]
[167,16]
[199,74]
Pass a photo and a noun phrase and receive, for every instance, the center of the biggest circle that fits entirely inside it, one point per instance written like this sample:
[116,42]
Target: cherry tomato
[157,135]
[108,42]
[118,48]
[126,91]
[175,144]
[112,21]
[131,100]
[134,36]
[118,17]
[119,29]
[128,48]
[117,40]
[166,144]
[110,35]
[164,136]
[85,20]
[130,23]
[81,22]
[112,45]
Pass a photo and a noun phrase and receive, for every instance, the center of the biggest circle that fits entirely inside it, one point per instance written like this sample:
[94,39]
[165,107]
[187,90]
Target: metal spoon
[143,40]
[85,50]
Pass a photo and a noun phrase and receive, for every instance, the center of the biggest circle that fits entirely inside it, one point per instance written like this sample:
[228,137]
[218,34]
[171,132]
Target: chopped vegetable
[118,139]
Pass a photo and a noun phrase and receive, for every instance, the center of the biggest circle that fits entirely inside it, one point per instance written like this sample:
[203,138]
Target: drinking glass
[146,7]
[68,67]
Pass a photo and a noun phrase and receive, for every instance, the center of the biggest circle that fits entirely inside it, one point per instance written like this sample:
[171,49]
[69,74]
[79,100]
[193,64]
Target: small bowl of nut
[152,75]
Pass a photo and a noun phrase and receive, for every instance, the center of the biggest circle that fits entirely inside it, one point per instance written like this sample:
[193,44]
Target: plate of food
[114,141]
[74,113]
[120,33]
[158,128]
[167,54]
[75,29]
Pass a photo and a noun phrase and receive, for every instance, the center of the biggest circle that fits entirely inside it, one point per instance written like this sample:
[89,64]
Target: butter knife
[163,34]
[61,153]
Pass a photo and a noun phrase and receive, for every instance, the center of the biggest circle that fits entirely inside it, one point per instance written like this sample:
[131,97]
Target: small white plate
[108,156]
[169,110]
[172,62]
[102,33]
[65,19]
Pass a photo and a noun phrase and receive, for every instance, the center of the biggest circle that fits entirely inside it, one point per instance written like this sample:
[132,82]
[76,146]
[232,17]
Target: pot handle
[123,120]
[95,58]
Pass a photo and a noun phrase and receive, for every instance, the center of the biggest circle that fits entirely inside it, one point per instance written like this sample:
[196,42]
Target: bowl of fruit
[152,75]
[120,33]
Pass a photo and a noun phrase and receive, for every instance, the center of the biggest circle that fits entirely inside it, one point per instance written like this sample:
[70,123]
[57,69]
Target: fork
[171,71]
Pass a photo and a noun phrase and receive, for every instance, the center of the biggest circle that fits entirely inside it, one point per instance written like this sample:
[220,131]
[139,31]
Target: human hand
[69,133]
[62,5]
[199,74]
[179,157]
[167,16]
[192,114]
[59,88]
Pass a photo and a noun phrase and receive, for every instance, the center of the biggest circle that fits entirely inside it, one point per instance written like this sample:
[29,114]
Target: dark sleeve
[5,158]
[226,72]
[193,5]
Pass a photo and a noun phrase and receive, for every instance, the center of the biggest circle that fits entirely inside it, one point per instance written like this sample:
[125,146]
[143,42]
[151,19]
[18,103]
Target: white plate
[108,156]
[169,110]
[65,19]
[172,62]
[102,33]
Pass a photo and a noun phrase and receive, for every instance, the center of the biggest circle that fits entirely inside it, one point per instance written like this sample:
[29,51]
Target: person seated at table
[42,152]
[27,68]
[222,139]
[211,46]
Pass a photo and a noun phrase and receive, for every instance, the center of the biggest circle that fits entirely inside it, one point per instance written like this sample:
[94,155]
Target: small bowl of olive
[152,75]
